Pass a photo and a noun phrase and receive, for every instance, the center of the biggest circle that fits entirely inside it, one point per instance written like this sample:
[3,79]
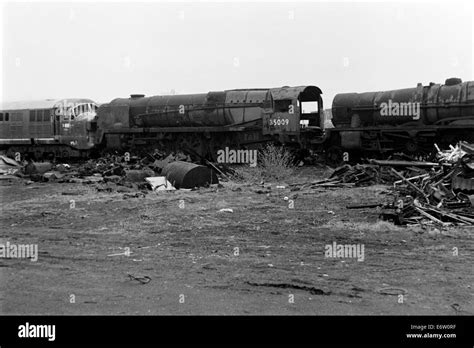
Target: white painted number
[279,122]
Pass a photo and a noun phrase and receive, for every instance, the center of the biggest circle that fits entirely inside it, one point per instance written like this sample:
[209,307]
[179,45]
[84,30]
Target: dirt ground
[261,258]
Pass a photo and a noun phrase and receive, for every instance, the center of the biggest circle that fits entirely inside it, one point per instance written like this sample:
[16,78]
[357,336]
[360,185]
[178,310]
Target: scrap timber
[440,193]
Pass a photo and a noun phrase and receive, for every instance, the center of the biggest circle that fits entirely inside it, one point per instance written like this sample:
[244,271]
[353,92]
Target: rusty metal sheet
[238,96]
[159,183]
[312,92]
[466,147]
[437,102]
[463,184]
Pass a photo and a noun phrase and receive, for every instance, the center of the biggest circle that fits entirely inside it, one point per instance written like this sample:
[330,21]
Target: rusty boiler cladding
[194,110]
[426,105]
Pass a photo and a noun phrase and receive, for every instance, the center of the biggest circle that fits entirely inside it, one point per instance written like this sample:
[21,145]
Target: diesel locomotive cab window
[7,117]
[282,105]
[78,110]
[1,117]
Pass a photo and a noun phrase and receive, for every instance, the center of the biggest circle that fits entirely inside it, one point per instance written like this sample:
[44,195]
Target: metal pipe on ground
[189,175]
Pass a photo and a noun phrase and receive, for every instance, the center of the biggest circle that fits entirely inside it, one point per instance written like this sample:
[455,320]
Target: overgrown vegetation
[275,163]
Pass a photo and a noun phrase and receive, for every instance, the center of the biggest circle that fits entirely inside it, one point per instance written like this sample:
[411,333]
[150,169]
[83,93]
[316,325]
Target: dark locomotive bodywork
[53,127]
[416,118]
[203,124]
[206,122]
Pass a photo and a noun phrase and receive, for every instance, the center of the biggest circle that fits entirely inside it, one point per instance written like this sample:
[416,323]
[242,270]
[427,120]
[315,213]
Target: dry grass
[274,164]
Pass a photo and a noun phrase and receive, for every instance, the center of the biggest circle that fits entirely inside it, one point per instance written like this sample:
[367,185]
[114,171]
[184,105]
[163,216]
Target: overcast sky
[108,50]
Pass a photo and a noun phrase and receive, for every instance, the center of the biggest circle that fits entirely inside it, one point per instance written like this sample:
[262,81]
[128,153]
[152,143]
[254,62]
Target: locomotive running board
[29,141]
[400,129]
[175,130]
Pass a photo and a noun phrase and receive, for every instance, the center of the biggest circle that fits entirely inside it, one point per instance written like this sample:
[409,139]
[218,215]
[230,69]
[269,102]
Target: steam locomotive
[377,123]
[407,120]
[201,124]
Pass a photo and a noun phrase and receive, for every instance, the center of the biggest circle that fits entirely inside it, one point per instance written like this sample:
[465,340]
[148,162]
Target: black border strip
[291,330]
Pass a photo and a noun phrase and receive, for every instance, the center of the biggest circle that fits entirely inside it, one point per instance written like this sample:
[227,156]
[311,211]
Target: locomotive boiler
[407,120]
[204,123]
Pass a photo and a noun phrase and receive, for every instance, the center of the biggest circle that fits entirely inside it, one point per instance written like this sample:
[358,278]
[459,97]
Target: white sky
[106,50]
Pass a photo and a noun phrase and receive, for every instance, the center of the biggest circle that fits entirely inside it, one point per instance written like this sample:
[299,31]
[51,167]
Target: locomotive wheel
[214,146]
[220,142]
[65,154]
[411,146]
[334,156]
[191,144]
[49,156]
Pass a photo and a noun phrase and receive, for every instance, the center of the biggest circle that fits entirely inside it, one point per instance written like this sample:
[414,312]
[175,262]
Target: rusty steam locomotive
[204,123]
[408,120]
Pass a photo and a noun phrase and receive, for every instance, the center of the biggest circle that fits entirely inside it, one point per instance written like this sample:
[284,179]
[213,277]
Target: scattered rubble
[140,279]
[8,166]
[37,167]
[112,171]
[439,193]
[360,175]
[135,175]
[159,183]
[443,196]
[53,176]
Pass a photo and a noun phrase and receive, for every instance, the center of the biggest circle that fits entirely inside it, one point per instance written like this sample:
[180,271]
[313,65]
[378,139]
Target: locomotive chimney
[136,96]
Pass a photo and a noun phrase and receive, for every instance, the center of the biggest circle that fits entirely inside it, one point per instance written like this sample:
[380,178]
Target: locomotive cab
[295,109]
[75,124]
[311,108]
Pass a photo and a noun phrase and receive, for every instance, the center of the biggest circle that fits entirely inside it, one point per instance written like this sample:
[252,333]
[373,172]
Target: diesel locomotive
[48,128]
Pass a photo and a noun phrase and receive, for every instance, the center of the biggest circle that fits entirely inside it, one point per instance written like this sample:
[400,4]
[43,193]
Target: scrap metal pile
[120,173]
[440,193]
